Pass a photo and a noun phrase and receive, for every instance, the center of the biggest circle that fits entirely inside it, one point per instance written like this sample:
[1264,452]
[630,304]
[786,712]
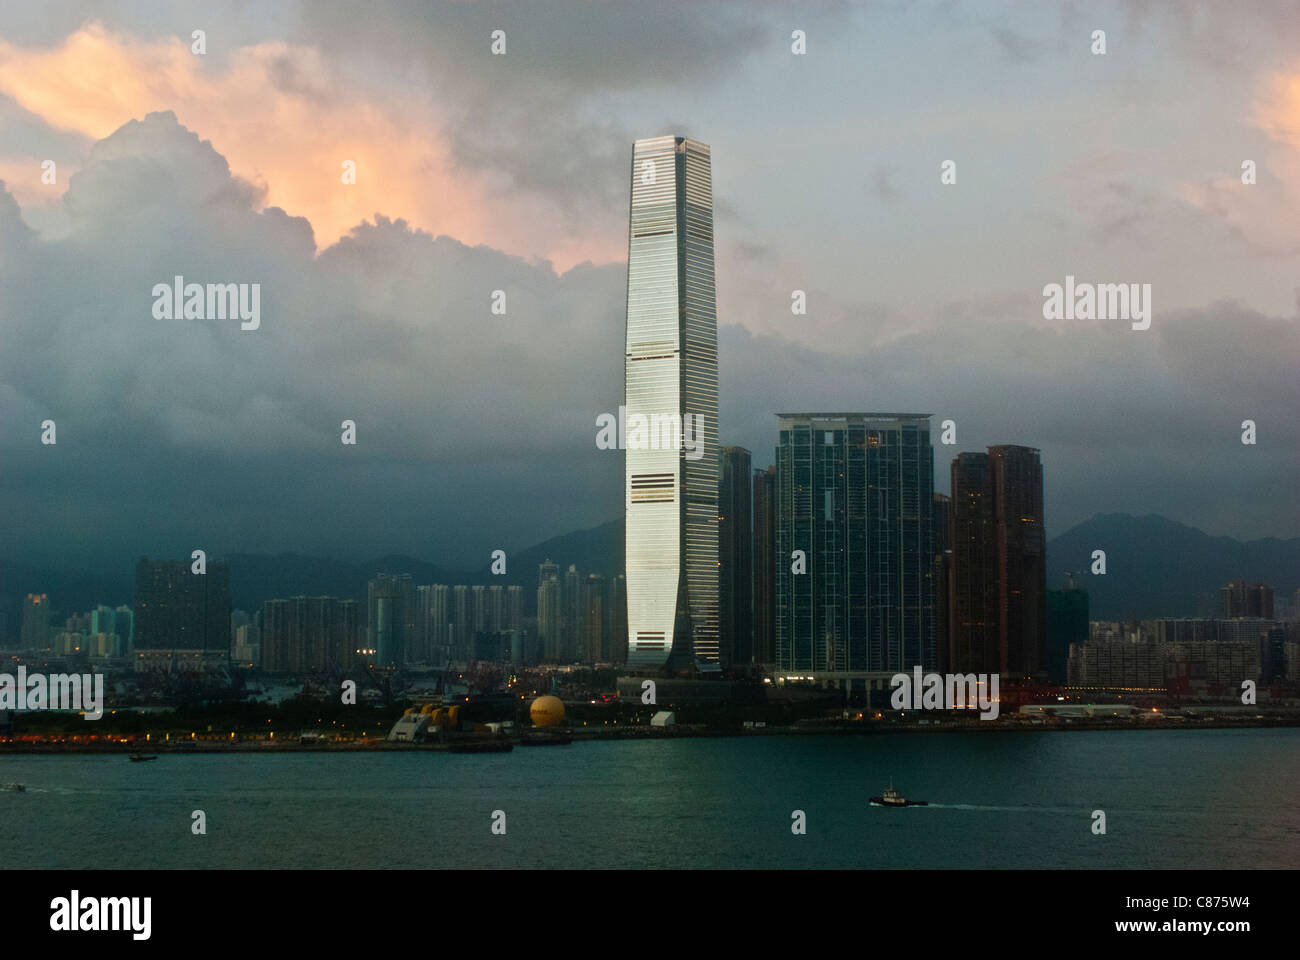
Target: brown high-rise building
[1022,560]
[765,565]
[942,578]
[998,606]
[973,621]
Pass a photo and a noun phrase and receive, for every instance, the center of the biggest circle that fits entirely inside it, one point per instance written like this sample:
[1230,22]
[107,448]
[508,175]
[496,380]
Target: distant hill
[1154,568]
[595,550]
[1157,567]
[69,592]
[255,578]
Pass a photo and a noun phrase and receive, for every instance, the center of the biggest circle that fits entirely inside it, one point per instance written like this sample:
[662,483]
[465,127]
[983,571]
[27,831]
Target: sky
[478,172]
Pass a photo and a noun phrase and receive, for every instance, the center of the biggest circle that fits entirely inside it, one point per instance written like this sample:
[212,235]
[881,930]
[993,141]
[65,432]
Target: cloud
[288,116]
[1262,215]
[1126,420]
[390,327]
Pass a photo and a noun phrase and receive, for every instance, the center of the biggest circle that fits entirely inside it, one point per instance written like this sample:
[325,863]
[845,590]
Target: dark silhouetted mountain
[1160,568]
[595,550]
[70,592]
[256,578]
[1154,568]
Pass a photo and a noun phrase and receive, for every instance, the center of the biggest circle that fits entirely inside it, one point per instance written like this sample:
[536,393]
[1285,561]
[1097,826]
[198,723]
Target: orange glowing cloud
[1277,113]
[1263,215]
[286,119]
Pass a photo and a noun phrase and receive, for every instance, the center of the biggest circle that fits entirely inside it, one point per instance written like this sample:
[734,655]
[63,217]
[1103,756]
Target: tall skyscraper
[942,579]
[498,619]
[1022,560]
[125,627]
[462,619]
[594,617]
[735,559]
[671,382]
[855,495]
[440,629]
[36,622]
[765,565]
[179,610]
[973,611]
[550,619]
[999,609]
[303,634]
[514,608]
[547,570]
[392,602]
[482,618]
[420,644]
[571,629]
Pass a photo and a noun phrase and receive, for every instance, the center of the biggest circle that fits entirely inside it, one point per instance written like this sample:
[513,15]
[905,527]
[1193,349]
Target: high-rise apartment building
[392,600]
[550,619]
[571,629]
[671,408]
[998,614]
[462,622]
[179,610]
[1242,599]
[735,559]
[973,616]
[854,548]
[765,565]
[36,622]
[1022,560]
[595,599]
[439,620]
[314,634]
[942,579]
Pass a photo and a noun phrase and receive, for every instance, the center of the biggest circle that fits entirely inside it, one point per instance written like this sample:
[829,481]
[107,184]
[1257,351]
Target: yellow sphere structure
[546,712]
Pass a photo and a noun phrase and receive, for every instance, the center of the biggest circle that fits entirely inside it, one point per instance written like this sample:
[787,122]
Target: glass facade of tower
[855,494]
[671,376]
[735,558]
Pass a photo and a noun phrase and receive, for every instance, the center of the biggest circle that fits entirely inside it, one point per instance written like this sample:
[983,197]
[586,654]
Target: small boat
[893,798]
[141,758]
[13,788]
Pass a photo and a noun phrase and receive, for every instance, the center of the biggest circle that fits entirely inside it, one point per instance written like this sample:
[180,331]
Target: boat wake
[996,809]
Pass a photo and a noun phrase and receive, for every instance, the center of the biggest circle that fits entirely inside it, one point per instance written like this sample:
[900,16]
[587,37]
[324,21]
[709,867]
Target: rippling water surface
[1185,798]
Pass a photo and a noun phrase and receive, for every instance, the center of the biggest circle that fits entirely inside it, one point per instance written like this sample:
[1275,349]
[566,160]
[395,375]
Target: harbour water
[1172,799]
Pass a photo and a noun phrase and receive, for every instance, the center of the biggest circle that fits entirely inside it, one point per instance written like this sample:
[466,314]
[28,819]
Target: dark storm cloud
[1128,421]
[196,430]
[537,116]
[477,430]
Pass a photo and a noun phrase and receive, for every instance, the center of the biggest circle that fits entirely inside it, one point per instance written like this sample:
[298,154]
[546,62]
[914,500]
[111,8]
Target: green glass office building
[855,496]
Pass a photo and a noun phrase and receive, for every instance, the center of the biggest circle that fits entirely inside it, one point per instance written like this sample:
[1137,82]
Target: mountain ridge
[1155,567]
